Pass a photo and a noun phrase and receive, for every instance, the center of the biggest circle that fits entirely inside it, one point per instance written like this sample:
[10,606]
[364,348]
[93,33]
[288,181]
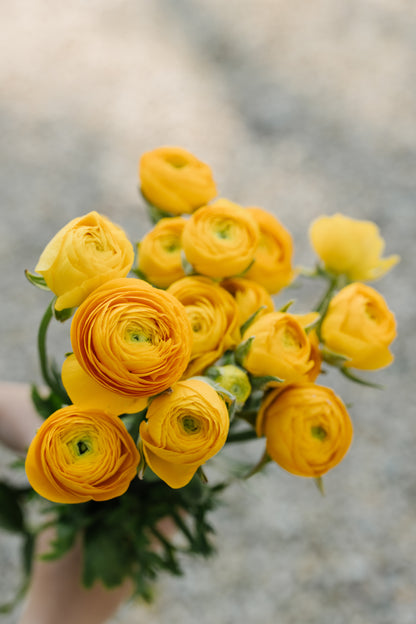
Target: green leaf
[11,514]
[139,274]
[106,558]
[36,280]
[66,534]
[45,406]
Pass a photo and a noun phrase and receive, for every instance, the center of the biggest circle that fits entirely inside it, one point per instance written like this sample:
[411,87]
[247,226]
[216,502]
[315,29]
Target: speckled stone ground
[303,108]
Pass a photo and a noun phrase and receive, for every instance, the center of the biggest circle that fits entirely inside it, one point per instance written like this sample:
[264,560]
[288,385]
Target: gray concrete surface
[301,107]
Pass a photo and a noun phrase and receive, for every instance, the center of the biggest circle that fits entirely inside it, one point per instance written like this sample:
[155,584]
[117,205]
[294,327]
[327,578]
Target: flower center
[82,447]
[176,160]
[290,339]
[318,432]
[190,425]
[171,245]
[372,312]
[223,231]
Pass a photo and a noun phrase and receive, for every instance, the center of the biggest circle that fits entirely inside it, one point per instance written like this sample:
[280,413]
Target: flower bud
[350,247]
[175,181]
[233,379]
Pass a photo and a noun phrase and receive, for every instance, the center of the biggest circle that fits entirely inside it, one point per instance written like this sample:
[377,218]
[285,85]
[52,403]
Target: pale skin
[55,592]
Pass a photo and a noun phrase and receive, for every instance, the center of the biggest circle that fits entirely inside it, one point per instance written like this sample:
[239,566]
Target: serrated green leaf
[45,406]
[66,533]
[11,514]
[107,557]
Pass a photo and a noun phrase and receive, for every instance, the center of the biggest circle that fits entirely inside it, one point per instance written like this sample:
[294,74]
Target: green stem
[48,378]
[242,436]
[322,305]
[43,328]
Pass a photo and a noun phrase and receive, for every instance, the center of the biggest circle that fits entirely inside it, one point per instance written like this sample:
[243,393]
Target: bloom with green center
[184,428]
[307,428]
[81,454]
[220,240]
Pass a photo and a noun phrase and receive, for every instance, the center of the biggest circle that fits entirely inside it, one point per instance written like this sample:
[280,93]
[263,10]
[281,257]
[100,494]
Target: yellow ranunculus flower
[214,318]
[85,391]
[307,428]
[220,240]
[133,339]
[350,247]
[360,326]
[250,296]
[159,252]
[281,348]
[84,254]
[184,429]
[272,267]
[81,454]
[174,180]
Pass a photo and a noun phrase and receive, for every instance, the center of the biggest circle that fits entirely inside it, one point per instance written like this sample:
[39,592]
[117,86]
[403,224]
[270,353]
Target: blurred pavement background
[304,108]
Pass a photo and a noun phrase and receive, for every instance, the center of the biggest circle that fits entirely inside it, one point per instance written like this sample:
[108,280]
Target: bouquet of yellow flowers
[177,352]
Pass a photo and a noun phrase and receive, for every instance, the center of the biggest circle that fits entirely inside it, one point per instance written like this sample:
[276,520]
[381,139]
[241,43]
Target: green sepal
[141,468]
[347,373]
[286,307]
[36,280]
[140,275]
[246,270]
[242,350]
[155,213]
[319,482]
[264,382]
[63,315]
[332,358]
[244,327]
[202,475]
